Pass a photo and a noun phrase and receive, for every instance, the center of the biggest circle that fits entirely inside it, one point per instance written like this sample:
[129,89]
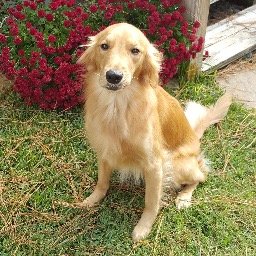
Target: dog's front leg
[102,186]
[153,192]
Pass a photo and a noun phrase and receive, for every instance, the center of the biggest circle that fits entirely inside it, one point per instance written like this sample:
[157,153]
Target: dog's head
[120,54]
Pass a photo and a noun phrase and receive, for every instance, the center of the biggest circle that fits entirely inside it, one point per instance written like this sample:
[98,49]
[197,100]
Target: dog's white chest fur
[116,128]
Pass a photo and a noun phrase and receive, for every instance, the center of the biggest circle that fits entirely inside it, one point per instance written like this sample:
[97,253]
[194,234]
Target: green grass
[46,164]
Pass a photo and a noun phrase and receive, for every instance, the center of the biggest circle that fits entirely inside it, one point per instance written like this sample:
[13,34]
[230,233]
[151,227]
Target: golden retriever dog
[135,126]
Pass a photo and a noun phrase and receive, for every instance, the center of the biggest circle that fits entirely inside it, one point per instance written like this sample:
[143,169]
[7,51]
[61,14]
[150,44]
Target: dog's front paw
[140,232]
[93,199]
[182,203]
[87,203]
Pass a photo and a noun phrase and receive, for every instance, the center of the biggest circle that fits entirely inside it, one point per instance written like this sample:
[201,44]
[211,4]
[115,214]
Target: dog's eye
[135,51]
[104,47]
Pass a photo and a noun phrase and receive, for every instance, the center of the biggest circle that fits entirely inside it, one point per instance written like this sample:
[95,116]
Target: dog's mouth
[114,87]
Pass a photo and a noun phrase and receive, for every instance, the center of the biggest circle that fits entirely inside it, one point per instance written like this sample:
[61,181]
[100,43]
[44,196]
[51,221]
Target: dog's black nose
[114,76]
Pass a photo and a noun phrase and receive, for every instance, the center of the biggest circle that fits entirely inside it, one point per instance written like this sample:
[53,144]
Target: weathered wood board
[230,39]
[213,1]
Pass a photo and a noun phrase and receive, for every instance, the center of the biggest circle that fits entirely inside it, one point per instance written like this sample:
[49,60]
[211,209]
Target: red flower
[49,17]
[192,38]
[43,63]
[52,38]
[26,3]
[182,9]
[79,10]
[19,7]
[173,41]
[200,40]
[35,55]
[46,79]
[67,23]
[32,31]
[10,21]
[41,45]
[20,16]
[33,5]
[2,38]
[130,5]
[93,8]
[184,29]
[57,60]
[28,24]
[11,10]
[85,16]
[109,14]
[55,5]
[11,71]
[21,52]
[23,61]
[39,36]
[102,6]
[70,3]
[70,15]
[176,15]
[17,40]
[41,13]
[50,50]
[14,31]
[23,71]
[196,24]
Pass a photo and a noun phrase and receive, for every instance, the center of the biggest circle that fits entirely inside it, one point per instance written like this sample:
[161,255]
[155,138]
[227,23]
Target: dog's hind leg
[101,188]
[188,172]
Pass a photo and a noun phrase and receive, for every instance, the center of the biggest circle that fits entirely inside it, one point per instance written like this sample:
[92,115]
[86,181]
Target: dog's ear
[151,66]
[88,58]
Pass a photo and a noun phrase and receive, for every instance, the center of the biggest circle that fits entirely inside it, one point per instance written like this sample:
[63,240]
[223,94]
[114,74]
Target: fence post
[197,10]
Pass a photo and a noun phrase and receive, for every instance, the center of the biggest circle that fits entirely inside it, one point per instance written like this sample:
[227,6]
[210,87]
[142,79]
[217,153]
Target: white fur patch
[194,113]
[204,164]
[131,175]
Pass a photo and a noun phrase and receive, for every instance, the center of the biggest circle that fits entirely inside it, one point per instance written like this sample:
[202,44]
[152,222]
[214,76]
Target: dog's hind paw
[182,203]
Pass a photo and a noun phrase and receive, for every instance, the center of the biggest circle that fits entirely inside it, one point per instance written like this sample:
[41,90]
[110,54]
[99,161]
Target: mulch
[5,85]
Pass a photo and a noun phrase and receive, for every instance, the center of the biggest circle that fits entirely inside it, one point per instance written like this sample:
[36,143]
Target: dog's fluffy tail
[200,117]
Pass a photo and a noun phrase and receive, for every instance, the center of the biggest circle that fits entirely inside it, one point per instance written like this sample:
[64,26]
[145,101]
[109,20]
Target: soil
[223,9]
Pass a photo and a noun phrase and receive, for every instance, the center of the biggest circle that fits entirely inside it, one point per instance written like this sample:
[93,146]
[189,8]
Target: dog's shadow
[116,215]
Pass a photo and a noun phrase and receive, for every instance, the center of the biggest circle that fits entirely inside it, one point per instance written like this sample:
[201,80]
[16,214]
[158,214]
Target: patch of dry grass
[248,63]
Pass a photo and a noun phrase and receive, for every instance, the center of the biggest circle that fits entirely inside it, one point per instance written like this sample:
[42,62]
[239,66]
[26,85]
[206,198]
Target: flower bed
[39,43]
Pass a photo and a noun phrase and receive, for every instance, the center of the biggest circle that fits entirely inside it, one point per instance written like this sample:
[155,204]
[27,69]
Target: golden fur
[139,127]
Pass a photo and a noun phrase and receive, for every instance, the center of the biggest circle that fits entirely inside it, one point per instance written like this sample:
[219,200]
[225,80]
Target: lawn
[46,164]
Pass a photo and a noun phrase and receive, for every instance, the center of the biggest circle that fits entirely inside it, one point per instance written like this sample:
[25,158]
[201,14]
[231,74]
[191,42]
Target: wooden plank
[197,10]
[214,1]
[230,39]
[225,52]
[230,26]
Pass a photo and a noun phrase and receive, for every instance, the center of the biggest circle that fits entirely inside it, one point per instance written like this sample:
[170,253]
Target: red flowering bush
[39,41]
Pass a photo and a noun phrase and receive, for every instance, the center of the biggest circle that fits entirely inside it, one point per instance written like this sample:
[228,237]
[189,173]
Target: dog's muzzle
[114,78]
